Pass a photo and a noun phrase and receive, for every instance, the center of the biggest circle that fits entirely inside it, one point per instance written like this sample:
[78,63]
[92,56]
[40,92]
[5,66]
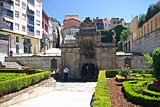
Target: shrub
[133,91]
[156,62]
[17,84]
[142,71]
[111,73]
[153,88]
[151,93]
[101,97]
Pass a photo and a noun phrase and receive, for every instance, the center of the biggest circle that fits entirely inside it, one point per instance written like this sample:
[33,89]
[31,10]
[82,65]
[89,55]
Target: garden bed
[15,80]
[116,95]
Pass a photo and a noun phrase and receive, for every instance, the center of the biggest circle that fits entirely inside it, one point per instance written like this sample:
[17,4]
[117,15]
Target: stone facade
[147,37]
[37,62]
[147,43]
[136,61]
[88,49]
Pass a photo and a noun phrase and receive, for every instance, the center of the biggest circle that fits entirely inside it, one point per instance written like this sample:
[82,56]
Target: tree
[156,62]
[124,34]
[120,46]
[141,20]
[152,10]
[149,60]
[118,29]
[107,34]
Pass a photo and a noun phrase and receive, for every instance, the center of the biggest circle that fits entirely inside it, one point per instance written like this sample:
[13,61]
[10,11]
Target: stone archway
[88,72]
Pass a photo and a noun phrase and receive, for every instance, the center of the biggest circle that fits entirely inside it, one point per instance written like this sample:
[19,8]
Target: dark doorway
[89,72]
[127,61]
[53,64]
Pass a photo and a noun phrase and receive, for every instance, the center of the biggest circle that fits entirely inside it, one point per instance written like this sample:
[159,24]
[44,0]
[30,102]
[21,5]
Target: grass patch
[101,97]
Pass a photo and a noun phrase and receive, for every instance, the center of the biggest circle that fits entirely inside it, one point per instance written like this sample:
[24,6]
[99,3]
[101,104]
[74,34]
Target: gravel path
[116,96]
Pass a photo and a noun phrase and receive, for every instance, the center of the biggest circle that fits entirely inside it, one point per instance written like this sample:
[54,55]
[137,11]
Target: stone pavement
[65,94]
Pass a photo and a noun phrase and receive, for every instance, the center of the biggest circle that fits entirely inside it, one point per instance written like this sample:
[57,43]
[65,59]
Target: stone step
[11,65]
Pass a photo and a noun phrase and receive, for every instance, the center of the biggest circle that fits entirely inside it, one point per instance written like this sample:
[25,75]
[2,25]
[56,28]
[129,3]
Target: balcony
[30,22]
[8,13]
[8,6]
[8,25]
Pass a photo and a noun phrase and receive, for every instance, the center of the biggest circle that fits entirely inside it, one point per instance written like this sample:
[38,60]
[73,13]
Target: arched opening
[89,72]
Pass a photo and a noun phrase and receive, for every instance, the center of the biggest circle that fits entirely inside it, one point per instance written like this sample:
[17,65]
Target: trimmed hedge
[151,93]
[153,88]
[142,71]
[111,73]
[101,97]
[134,92]
[17,84]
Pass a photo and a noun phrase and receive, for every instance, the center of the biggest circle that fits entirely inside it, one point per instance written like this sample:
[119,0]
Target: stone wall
[36,62]
[137,61]
[147,43]
[105,59]
[71,58]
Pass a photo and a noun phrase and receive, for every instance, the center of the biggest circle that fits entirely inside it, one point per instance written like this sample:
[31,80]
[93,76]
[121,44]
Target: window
[46,28]
[23,16]
[16,26]
[38,32]
[17,2]
[8,25]
[24,6]
[30,29]
[31,2]
[17,14]
[37,12]
[17,49]
[38,23]
[17,39]
[8,13]
[38,3]
[23,28]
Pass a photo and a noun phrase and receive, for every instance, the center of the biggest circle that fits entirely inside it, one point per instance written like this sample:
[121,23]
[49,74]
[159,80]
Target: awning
[30,7]
[8,19]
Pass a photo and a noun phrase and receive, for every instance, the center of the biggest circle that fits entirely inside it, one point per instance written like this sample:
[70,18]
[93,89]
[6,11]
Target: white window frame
[16,14]
[23,28]
[17,26]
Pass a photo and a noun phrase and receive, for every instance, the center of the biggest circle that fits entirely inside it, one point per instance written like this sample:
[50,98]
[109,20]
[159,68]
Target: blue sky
[126,9]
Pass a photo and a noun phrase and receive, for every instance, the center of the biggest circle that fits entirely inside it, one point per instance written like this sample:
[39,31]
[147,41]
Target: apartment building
[54,33]
[108,23]
[45,36]
[71,26]
[20,26]
[99,23]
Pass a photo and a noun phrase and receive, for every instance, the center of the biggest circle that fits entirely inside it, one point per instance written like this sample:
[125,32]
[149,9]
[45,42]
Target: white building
[21,26]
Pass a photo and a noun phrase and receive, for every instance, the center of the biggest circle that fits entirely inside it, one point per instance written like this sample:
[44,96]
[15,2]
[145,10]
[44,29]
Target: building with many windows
[20,26]
[54,33]
[108,23]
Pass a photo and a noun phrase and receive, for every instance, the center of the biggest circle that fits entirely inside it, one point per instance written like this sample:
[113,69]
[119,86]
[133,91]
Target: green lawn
[9,76]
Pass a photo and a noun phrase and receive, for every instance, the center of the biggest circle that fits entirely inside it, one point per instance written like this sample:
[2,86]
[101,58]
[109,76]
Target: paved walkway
[63,95]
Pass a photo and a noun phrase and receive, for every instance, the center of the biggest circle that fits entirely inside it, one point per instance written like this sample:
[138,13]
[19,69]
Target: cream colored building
[21,24]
